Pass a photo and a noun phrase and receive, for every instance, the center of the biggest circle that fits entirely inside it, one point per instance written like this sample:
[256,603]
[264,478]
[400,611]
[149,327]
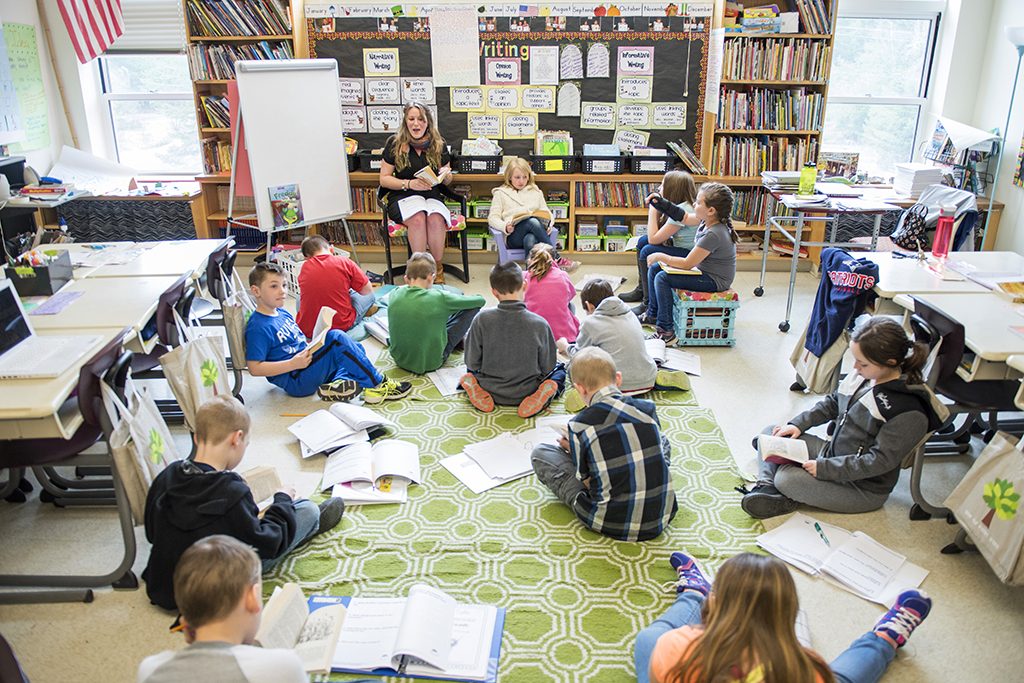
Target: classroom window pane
[883,134]
[880,57]
[162,74]
[156,135]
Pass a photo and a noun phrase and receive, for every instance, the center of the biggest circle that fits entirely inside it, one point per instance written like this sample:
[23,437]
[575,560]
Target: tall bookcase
[217,33]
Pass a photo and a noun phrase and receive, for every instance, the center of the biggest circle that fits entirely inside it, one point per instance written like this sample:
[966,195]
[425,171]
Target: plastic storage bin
[369,162]
[476,241]
[658,165]
[705,319]
[553,164]
[603,164]
[558,209]
[588,243]
[485,164]
[41,280]
[291,261]
[481,208]
[612,243]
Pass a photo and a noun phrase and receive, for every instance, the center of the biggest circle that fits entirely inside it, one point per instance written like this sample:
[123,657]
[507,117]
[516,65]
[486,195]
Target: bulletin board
[668,78]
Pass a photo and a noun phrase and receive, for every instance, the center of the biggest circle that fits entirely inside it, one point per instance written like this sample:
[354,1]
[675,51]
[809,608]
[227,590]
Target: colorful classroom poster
[383,119]
[634,116]
[502,71]
[568,100]
[544,65]
[380,61]
[634,88]
[597,115]
[10,117]
[635,61]
[627,139]
[352,91]
[383,91]
[418,90]
[519,126]
[538,98]
[483,125]
[668,115]
[353,119]
[502,98]
[23,55]
[467,98]
[454,46]
[598,61]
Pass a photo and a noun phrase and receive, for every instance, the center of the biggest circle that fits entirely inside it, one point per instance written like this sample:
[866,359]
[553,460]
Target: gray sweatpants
[796,483]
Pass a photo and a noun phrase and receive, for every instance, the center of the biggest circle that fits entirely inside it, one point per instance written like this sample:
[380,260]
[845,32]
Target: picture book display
[285,205]
[288,623]
[327,429]
[379,473]
[428,634]
[782,450]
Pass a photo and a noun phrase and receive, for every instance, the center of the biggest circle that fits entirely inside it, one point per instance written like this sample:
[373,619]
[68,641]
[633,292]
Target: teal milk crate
[705,319]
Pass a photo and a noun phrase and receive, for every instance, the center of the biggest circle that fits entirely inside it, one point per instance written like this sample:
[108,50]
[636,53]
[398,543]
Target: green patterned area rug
[575,600]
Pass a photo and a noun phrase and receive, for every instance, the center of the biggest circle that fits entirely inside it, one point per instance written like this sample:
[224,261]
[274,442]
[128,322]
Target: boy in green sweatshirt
[426,324]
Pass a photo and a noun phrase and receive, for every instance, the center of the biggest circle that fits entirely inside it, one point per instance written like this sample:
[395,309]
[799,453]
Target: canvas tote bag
[195,370]
[236,308]
[987,505]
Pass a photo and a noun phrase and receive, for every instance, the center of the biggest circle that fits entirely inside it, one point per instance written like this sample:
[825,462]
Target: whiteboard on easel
[291,115]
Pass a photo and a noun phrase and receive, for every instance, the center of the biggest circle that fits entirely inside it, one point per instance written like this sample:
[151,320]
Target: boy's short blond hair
[261,271]
[212,577]
[219,418]
[592,368]
[420,266]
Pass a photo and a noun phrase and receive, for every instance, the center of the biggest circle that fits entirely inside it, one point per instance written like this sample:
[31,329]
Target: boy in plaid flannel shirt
[622,492]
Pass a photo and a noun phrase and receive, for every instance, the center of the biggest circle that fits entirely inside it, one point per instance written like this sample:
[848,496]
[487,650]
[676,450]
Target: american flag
[93,25]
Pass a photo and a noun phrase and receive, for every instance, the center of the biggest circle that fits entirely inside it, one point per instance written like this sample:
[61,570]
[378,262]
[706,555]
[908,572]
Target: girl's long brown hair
[677,187]
[541,260]
[402,138]
[883,341]
[720,198]
[749,621]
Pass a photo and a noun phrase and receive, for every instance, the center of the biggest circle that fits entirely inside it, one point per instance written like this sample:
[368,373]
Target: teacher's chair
[389,229]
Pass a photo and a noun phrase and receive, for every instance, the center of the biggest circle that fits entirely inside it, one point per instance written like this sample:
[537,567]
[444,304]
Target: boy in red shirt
[334,281]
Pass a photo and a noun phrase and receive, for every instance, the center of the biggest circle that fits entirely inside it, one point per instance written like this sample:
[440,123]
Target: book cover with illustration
[285,205]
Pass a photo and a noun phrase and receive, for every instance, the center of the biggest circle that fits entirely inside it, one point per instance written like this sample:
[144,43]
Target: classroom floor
[974,633]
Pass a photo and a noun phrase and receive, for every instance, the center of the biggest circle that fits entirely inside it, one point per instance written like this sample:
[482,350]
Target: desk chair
[970,399]
[219,281]
[110,366]
[505,254]
[389,229]
[204,309]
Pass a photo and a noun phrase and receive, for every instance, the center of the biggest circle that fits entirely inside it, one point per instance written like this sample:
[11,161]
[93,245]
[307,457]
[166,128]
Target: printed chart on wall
[25,74]
[626,73]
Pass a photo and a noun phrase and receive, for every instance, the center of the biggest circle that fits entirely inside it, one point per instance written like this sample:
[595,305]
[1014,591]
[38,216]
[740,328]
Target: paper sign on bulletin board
[538,98]
[502,98]
[353,119]
[502,71]
[634,116]
[467,98]
[597,115]
[484,125]
[627,139]
[634,89]
[383,119]
[351,90]
[635,61]
[418,90]
[28,83]
[520,126]
[380,61]
[383,91]
[668,115]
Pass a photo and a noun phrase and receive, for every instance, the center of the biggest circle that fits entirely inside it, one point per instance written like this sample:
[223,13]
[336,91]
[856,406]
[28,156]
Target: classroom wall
[993,98]
[25,12]
[960,52]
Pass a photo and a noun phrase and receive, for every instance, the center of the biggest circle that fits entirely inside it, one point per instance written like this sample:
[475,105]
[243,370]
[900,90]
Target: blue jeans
[361,303]
[307,521]
[644,249]
[340,358]
[458,325]
[527,233]
[864,661]
[662,284]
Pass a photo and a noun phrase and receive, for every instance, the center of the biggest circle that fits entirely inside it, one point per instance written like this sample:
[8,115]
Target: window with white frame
[148,97]
[878,88]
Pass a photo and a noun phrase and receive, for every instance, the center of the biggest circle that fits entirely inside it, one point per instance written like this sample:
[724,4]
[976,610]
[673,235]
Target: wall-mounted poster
[484,125]
[380,61]
[597,115]
[668,115]
[538,98]
[502,71]
[467,98]
[502,98]
[568,99]
[544,65]
[635,61]
[571,62]
[520,126]
[634,88]
[351,90]
[598,61]
[418,90]
[383,119]
[383,91]
[627,139]
[353,119]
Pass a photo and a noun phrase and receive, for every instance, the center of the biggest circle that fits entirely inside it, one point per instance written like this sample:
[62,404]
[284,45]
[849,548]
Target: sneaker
[646,319]
[374,278]
[574,403]
[439,277]
[477,395]
[673,379]
[634,296]
[331,511]
[338,390]
[538,400]
[371,311]
[690,575]
[388,390]
[910,609]
[567,265]
[667,336]
[764,501]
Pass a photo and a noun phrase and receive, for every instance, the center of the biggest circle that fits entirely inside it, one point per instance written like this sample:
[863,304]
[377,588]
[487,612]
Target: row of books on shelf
[768,109]
[364,200]
[749,155]
[216,156]
[238,17]
[782,59]
[216,111]
[811,14]
[217,62]
[814,15]
[625,195]
[753,206]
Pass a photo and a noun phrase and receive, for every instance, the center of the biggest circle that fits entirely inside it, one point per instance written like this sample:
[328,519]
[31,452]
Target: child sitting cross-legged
[743,629]
[193,499]
[510,352]
[549,293]
[218,586]
[333,281]
[611,468]
[426,323]
[277,349]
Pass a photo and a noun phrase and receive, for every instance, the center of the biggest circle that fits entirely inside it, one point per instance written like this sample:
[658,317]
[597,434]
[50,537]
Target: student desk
[45,408]
[88,257]
[988,265]
[164,258]
[987,319]
[910,275]
[110,303]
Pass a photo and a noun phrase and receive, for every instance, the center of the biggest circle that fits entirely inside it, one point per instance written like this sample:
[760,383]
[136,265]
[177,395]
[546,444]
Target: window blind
[151,26]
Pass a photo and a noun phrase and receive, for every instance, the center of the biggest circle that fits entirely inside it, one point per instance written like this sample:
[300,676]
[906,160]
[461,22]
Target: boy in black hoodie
[193,499]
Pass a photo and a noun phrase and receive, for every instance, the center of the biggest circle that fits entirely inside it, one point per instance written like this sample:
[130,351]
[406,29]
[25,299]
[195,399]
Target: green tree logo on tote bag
[1001,499]
[210,374]
[156,446]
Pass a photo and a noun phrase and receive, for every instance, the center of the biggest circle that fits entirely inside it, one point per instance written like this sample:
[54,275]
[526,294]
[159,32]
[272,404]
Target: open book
[672,270]
[852,561]
[287,623]
[324,321]
[377,327]
[543,214]
[672,359]
[322,430]
[782,450]
[363,463]
[428,634]
[427,174]
[614,281]
[264,482]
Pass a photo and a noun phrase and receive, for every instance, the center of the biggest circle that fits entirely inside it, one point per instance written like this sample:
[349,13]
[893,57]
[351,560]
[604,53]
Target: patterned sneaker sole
[327,394]
[477,395]
[538,400]
[765,505]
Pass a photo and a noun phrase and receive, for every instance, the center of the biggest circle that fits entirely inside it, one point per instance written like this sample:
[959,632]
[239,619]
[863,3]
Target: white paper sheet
[571,62]
[502,457]
[88,172]
[465,469]
[716,53]
[677,359]
[454,46]
[544,65]
[568,100]
[447,379]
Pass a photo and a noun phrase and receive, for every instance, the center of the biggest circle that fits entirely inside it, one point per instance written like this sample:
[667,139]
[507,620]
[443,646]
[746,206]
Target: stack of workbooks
[911,179]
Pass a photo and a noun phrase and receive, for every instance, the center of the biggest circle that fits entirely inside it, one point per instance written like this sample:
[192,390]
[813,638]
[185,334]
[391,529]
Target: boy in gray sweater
[510,352]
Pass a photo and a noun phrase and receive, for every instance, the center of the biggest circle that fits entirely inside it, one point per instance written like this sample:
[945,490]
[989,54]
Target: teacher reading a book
[415,161]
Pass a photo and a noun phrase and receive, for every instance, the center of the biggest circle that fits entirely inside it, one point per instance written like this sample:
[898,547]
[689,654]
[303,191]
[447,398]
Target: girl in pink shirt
[549,293]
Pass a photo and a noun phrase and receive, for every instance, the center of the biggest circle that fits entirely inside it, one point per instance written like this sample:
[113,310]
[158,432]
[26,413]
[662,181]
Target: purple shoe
[909,610]
[690,575]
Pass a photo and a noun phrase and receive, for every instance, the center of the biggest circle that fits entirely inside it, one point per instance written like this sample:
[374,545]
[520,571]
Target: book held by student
[288,623]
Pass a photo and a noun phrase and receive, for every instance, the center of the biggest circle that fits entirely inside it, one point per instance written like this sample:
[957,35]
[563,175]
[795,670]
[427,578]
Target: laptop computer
[26,355]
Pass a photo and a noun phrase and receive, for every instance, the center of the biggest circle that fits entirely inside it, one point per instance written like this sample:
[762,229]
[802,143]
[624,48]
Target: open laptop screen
[14,328]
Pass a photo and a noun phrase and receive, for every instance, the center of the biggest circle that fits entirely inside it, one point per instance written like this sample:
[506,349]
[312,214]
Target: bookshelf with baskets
[218,33]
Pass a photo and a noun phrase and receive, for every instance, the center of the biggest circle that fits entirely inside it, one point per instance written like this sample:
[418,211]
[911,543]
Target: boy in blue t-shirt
[277,349]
